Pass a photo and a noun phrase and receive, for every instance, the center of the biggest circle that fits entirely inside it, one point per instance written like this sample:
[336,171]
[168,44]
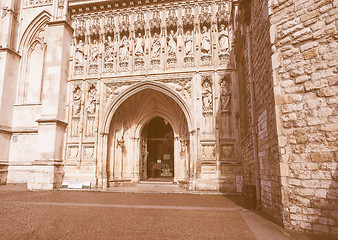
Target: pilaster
[47,170]
[9,63]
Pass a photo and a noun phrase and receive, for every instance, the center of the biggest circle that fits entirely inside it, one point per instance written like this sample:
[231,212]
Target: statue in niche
[139,46]
[223,40]
[205,41]
[225,95]
[79,53]
[172,44]
[76,101]
[91,103]
[156,46]
[188,44]
[124,49]
[94,52]
[207,96]
[109,50]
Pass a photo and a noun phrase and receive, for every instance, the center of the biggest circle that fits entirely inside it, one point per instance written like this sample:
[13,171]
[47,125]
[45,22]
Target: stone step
[157,183]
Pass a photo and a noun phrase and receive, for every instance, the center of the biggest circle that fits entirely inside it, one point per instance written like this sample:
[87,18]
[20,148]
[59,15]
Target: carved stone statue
[225,95]
[172,44]
[223,40]
[76,101]
[156,46]
[124,49]
[91,103]
[79,53]
[205,41]
[139,46]
[109,50]
[94,52]
[207,96]
[188,44]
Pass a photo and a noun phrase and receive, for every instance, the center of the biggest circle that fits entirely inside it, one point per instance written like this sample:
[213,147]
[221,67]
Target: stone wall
[305,49]
[265,117]
[259,147]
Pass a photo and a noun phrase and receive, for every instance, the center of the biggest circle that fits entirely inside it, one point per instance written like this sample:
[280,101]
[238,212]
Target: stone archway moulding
[149,117]
[139,87]
[40,20]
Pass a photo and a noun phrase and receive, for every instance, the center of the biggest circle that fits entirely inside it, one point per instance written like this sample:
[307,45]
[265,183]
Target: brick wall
[305,65]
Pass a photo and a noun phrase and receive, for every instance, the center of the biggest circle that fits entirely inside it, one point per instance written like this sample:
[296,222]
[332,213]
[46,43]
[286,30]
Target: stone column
[9,65]
[47,170]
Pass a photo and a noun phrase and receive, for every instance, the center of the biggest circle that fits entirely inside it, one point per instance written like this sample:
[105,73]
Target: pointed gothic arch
[142,86]
[32,47]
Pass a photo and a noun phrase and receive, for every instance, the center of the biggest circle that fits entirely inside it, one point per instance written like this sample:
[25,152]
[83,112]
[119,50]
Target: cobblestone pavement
[106,215]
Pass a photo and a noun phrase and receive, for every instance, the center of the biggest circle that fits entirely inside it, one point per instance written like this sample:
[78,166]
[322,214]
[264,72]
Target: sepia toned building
[231,96]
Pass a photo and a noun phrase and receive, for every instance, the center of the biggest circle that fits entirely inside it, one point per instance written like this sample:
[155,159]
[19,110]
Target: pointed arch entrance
[133,115]
[157,151]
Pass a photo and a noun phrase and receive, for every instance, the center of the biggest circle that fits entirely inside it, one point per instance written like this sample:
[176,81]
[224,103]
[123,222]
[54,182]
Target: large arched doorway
[148,139]
[157,151]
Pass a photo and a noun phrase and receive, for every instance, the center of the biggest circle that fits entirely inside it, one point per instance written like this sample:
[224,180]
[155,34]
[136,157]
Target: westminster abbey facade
[220,95]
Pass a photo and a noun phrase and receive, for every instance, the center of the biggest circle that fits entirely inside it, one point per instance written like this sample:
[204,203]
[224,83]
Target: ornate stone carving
[89,152]
[227,151]
[79,57]
[223,44]
[139,51]
[73,151]
[223,13]
[124,53]
[208,151]
[91,102]
[113,89]
[76,100]
[155,22]
[207,95]
[156,51]
[61,9]
[225,95]
[188,18]
[95,25]
[109,55]
[172,18]
[152,44]
[94,57]
[172,48]
[188,49]
[140,22]
[40,2]
[205,15]
[205,46]
[80,28]
[124,23]
[109,26]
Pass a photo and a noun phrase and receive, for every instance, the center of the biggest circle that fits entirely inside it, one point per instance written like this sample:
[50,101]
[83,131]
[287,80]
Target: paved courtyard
[122,215]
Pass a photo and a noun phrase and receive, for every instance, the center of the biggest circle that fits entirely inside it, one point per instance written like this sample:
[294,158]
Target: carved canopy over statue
[141,40]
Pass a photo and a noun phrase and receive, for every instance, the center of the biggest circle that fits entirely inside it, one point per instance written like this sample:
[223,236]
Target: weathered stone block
[310,54]
[321,228]
[322,157]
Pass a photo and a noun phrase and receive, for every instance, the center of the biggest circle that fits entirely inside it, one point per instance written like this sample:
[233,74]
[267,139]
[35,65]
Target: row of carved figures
[91,101]
[100,23]
[121,47]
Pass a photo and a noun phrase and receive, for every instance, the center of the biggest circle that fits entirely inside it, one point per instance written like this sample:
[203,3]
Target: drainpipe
[253,121]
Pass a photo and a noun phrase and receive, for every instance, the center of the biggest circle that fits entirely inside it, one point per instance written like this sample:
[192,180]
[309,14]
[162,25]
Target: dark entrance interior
[160,148]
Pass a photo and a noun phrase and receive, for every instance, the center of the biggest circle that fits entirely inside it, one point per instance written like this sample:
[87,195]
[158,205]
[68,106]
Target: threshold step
[157,183]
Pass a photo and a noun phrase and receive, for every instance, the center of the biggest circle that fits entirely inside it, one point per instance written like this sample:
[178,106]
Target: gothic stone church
[219,95]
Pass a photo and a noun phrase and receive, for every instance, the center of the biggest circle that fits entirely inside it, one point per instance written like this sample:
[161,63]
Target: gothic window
[33,49]
[34,73]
